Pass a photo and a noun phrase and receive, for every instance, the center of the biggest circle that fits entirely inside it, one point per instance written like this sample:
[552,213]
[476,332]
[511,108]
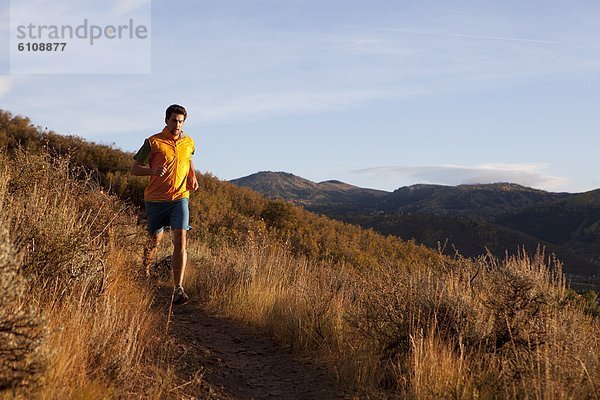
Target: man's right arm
[140,165]
[139,169]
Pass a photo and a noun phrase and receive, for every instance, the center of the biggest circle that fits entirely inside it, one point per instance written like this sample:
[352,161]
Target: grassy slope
[221,212]
[90,324]
[390,317]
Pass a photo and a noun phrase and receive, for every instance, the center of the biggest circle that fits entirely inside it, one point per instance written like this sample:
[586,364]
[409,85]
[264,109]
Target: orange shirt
[176,155]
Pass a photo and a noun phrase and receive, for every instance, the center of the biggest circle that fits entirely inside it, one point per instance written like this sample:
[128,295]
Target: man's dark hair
[175,109]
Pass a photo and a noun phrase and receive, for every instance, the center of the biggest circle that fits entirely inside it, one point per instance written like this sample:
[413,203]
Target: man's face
[175,124]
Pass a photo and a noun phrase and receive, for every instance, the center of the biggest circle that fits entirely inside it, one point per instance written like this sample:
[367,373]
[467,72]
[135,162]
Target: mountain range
[499,218]
[327,195]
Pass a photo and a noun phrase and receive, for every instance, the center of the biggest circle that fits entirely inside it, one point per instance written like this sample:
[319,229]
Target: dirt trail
[237,362]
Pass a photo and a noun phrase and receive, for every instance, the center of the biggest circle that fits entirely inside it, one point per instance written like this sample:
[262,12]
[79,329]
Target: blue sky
[375,93]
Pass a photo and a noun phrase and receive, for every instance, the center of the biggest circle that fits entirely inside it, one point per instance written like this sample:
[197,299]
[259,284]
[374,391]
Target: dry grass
[449,329]
[75,254]
[418,328]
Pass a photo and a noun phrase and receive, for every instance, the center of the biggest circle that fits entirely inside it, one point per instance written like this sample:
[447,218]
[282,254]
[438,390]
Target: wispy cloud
[527,174]
[261,73]
[453,34]
[287,102]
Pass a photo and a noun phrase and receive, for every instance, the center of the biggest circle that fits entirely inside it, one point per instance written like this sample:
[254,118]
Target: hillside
[220,211]
[473,237]
[572,222]
[376,317]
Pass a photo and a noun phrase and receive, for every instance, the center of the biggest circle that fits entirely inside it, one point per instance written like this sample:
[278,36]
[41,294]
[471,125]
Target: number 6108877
[34,46]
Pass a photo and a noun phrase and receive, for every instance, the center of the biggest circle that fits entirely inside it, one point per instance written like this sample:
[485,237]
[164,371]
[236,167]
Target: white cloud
[526,174]
[6,83]
[256,105]
[443,58]
[457,35]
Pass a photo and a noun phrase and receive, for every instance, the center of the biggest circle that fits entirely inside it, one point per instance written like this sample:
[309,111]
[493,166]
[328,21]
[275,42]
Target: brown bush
[21,325]
[61,227]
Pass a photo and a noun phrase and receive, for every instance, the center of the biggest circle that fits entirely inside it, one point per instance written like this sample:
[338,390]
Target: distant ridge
[572,222]
[502,186]
[312,195]
[333,196]
[478,200]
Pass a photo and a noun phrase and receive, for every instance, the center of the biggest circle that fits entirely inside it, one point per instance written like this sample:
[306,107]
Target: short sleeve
[143,154]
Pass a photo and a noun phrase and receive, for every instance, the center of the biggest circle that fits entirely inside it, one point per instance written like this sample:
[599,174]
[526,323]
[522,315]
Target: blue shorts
[160,214]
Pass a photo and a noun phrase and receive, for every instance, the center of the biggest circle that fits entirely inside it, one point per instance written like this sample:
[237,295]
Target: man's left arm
[192,180]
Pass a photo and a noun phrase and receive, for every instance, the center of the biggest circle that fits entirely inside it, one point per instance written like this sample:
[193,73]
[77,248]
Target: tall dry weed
[433,328]
[79,249]
[59,225]
[302,303]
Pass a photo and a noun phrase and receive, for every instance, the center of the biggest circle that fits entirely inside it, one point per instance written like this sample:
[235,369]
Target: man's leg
[179,259]
[150,250]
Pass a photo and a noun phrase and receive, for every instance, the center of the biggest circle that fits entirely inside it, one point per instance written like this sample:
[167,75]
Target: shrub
[62,227]
[21,326]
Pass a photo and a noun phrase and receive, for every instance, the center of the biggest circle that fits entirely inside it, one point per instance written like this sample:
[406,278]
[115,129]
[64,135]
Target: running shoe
[180,297]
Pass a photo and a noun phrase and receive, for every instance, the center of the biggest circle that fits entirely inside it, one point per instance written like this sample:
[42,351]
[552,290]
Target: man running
[167,158]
